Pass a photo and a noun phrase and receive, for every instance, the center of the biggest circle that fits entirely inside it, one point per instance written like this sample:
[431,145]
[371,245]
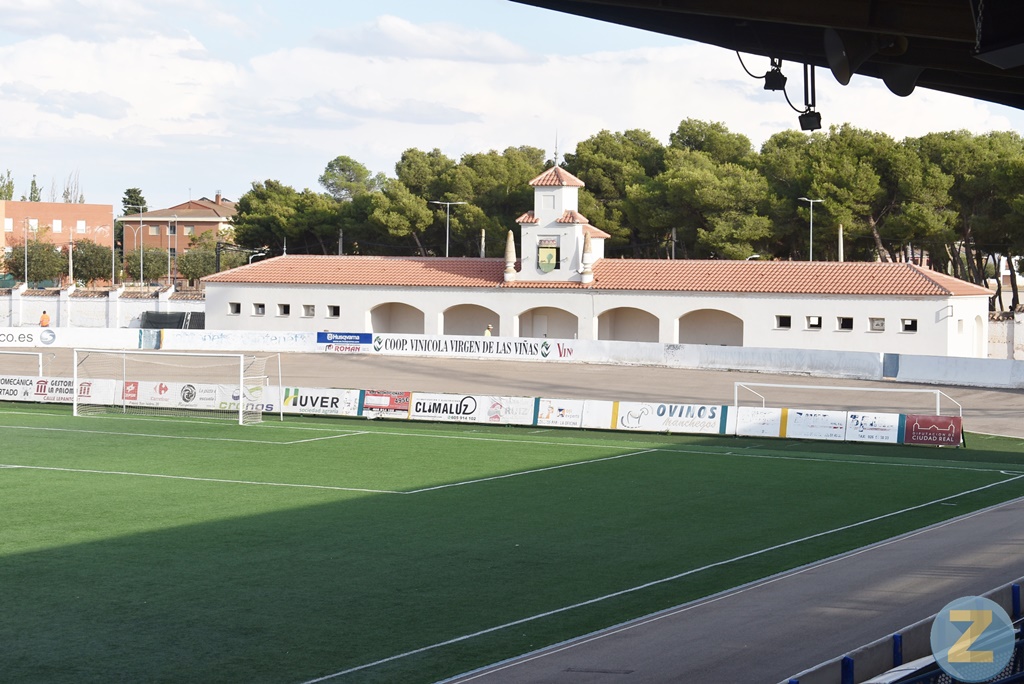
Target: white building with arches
[560,286]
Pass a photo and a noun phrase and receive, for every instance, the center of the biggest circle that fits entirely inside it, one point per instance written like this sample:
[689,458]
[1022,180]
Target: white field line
[136,434]
[528,472]
[321,439]
[708,600]
[201,479]
[647,585]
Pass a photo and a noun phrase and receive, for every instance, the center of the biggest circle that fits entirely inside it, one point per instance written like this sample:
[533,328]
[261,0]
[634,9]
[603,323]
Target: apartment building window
[190,230]
[333,311]
[8,225]
[844,323]
[58,226]
[876,324]
[909,324]
[259,309]
[234,308]
[783,322]
[172,230]
[814,322]
[154,230]
[308,310]
[80,226]
[284,309]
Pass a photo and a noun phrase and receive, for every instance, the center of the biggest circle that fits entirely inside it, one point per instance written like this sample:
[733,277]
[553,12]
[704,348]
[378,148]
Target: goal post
[22,363]
[227,386]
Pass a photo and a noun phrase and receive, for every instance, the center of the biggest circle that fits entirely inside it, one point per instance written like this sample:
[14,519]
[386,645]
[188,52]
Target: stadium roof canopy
[973,48]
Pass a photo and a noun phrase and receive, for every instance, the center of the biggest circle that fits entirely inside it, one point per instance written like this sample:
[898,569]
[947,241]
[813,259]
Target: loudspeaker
[900,79]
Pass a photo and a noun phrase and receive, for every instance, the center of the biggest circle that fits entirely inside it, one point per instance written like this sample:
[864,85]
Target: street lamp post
[448,220]
[139,238]
[810,250]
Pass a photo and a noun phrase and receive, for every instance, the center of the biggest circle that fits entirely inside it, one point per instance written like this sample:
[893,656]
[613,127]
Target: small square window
[259,309]
[784,322]
[876,324]
[909,324]
[190,230]
[154,230]
[284,309]
[844,323]
[172,230]
[308,310]
[80,226]
[333,311]
[234,308]
[58,226]
[8,225]
[814,322]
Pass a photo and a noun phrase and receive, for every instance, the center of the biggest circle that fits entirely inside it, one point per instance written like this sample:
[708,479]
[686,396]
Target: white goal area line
[938,394]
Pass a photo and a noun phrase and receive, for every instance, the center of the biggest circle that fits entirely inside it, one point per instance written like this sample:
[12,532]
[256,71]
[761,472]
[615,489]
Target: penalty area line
[653,583]
[199,479]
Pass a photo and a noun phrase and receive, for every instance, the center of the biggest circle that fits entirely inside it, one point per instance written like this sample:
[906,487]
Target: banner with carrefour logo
[471,408]
[709,419]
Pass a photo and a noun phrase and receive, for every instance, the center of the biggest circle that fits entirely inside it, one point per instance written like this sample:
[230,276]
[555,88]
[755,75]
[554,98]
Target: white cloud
[390,36]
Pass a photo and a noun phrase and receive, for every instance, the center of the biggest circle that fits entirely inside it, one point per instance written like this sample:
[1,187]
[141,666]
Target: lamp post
[810,250]
[139,238]
[448,220]
[257,254]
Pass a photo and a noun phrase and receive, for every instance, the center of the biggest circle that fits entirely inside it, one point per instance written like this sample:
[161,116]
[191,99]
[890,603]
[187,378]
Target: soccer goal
[896,400]
[231,386]
[21,363]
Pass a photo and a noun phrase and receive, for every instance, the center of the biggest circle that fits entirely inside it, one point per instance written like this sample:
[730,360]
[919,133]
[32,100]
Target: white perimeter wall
[923,369]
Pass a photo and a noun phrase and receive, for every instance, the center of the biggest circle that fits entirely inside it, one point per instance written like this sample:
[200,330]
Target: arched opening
[627,324]
[469,319]
[396,317]
[709,326]
[980,341]
[547,321]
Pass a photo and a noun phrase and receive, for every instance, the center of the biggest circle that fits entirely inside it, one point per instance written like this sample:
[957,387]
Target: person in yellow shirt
[44,320]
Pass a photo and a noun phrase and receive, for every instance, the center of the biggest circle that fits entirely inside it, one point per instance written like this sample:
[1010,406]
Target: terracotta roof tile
[595,232]
[770,277]
[570,216]
[368,270]
[557,176]
[528,217]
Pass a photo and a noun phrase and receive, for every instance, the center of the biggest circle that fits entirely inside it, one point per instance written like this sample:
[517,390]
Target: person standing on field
[44,320]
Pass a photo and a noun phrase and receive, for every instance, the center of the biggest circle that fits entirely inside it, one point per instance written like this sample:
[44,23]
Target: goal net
[231,386]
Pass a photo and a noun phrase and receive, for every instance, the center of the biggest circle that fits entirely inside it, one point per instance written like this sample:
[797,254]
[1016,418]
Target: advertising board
[470,408]
[560,412]
[873,427]
[683,418]
[935,430]
[815,424]
[757,421]
[385,404]
[319,401]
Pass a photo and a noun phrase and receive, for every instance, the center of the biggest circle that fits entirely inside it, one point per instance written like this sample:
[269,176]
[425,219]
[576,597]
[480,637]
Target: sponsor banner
[318,401]
[473,347]
[57,390]
[96,391]
[873,427]
[599,415]
[385,404]
[560,412]
[469,408]
[344,342]
[683,418]
[17,387]
[811,424]
[159,394]
[937,430]
[757,421]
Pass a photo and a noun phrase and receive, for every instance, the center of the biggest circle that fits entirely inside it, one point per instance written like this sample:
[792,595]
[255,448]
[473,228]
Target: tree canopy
[954,198]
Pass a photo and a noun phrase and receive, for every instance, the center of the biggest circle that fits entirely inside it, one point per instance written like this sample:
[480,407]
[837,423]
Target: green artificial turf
[168,550]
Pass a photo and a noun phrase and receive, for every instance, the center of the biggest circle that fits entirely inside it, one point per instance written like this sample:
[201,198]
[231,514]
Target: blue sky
[187,97]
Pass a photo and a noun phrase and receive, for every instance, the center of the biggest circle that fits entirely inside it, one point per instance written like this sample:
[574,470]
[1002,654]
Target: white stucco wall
[945,326]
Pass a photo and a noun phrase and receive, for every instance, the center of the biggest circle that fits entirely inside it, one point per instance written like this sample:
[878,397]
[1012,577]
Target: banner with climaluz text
[472,408]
